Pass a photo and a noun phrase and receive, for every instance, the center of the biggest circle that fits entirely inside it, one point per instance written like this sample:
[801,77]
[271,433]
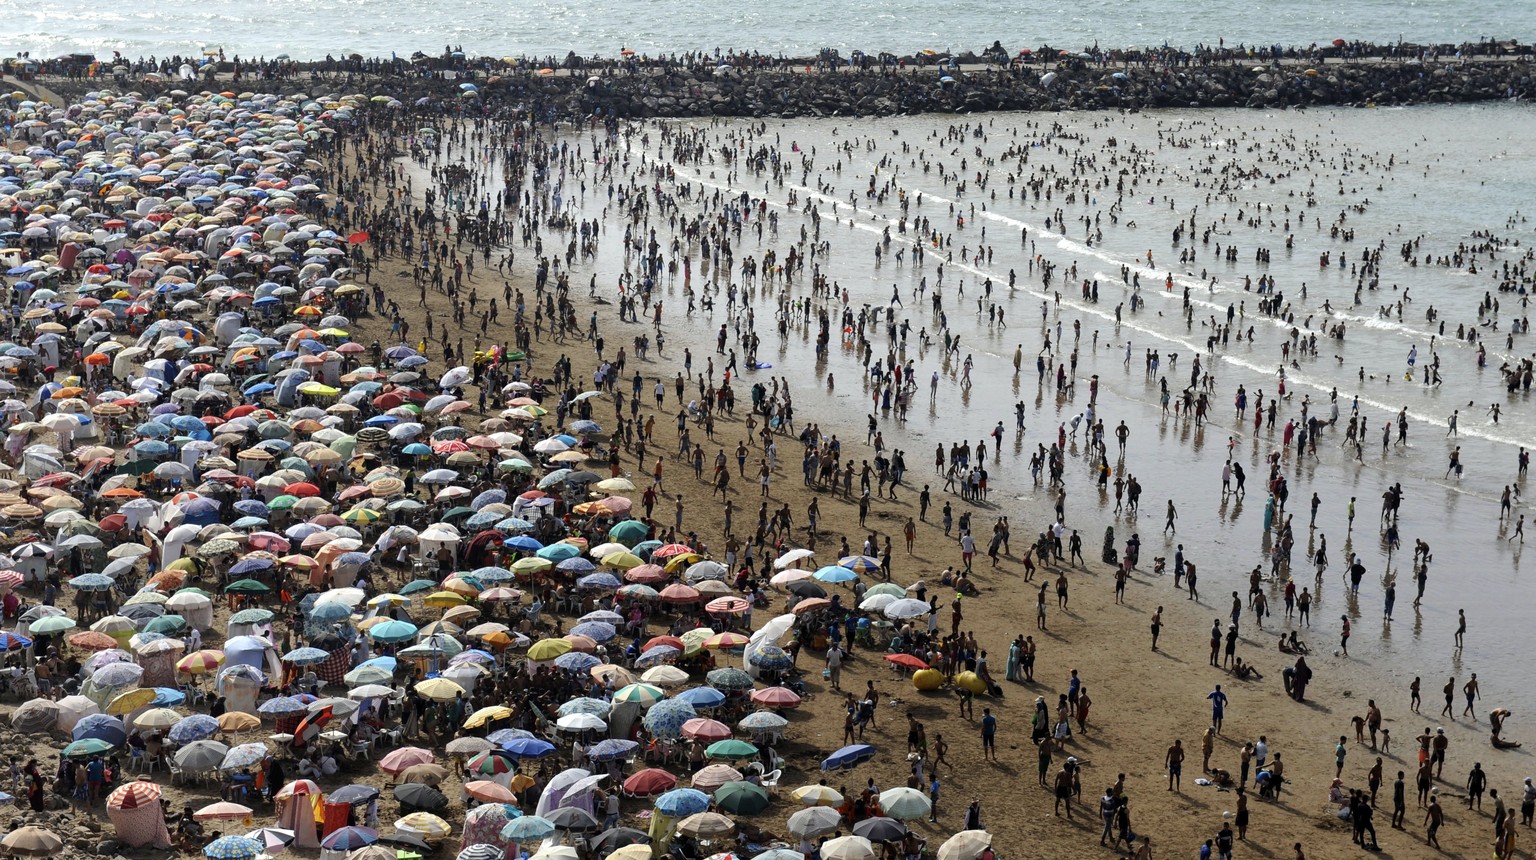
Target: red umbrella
[670,550]
[670,641]
[646,573]
[1339,43]
[649,782]
[358,238]
[906,660]
[302,489]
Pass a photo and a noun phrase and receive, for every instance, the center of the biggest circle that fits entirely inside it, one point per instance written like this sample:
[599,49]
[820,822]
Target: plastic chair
[771,780]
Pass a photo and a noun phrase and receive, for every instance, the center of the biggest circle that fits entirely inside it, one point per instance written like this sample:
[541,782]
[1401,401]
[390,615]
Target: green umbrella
[166,624]
[515,465]
[89,746]
[730,749]
[741,798]
[246,586]
[282,503]
[629,532]
[460,511]
[52,624]
[251,616]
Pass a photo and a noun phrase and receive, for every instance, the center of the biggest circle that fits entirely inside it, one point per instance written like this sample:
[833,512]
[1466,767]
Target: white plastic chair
[771,780]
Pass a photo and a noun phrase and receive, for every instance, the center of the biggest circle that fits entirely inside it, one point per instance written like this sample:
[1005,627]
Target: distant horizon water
[307,30]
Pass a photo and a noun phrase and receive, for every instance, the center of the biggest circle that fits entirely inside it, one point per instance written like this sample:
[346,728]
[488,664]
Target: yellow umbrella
[439,689]
[549,649]
[531,564]
[361,516]
[444,599]
[622,560]
[486,715]
[130,701]
[678,562]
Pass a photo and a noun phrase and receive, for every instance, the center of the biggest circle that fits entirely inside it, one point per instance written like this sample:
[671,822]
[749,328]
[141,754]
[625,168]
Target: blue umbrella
[489,497]
[701,697]
[306,656]
[665,718]
[576,661]
[232,848]
[513,524]
[577,564]
[528,828]
[252,508]
[529,747]
[657,656]
[834,573]
[330,612]
[493,574]
[768,656]
[193,728]
[682,802]
[502,737]
[848,756]
[100,727]
[250,565]
[281,706]
[558,551]
[13,640]
[92,582]
[524,543]
[392,631]
[350,838]
[597,631]
[166,697]
[612,749]
[599,581]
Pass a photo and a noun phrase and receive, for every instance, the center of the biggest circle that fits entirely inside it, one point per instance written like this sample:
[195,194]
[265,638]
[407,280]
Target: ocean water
[307,29]
[1443,175]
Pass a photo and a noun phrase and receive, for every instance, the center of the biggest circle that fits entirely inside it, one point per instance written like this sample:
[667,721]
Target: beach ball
[928,679]
[971,681]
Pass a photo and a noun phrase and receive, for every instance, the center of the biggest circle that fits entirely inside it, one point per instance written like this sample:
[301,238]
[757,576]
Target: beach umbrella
[681,802]
[665,676]
[907,607]
[619,837]
[729,679]
[741,798]
[232,848]
[730,750]
[651,781]
[965,845]
[32,841]
[350,838]
[848,757]
[665,719]
[905,804]
[201,756]
[244,755]
[134,795]
[715,775]
[643,695]
[523,748]
[528,828]
[193,728]
[612,749]
[880,829]
[40,715]
[275,839]
[424,824]
[848,848]
[482,851]
[763,721]
[817,795]
[706,825]
[813,821]
[88,747]
[222,810]
[420,796]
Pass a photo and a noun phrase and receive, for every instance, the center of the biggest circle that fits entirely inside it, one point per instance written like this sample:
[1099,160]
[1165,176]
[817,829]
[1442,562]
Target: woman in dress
[1015,661]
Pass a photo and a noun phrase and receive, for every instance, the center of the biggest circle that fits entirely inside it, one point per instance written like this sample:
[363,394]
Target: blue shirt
[988,726]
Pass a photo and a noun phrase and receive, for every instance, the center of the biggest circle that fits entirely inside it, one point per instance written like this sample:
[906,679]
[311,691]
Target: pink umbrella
[397,761]
[705,729]
[776,697]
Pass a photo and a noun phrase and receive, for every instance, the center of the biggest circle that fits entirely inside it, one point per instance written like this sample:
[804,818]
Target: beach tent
[134,809]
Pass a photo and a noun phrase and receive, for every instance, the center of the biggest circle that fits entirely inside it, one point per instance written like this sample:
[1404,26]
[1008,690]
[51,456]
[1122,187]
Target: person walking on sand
[1218,707]
[988,735]
[1434,816]
[1173,514]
